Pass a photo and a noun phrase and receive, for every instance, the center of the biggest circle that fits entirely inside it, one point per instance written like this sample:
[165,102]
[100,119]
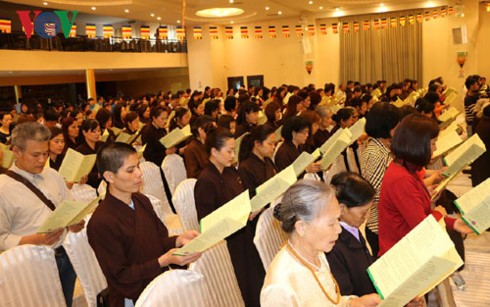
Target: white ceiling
[170,11]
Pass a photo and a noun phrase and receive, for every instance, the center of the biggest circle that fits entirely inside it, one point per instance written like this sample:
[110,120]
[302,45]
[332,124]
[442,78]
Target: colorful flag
[145,32]
[403,21]
[213,32]
[376,24]
[443,12]
[244,32]
[450,10]
[258,32]
[323,28]
[126,32]
[435,14]
[411,20]
[162,32]
[335,28]
[197,32]
[356,26]
[180,32]
[108,31]
[272,32]
[5,25]
[393,22]
[427,15]
[311,30]
[73,31]
[229,32]
[90,30]
[420,18]
[298,29]
[384,23]
[366,25]
[285,31]
[345,27]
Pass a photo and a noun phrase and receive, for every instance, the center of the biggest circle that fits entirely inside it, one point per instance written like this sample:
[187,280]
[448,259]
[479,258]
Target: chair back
[215,265]
[176,288]
[153,184]
[83,192]
[269,237]
[171,221]
[174,169]
[185,204]
[29,277]
[85,264]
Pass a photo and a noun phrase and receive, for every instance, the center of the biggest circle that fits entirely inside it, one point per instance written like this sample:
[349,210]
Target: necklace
[311,267]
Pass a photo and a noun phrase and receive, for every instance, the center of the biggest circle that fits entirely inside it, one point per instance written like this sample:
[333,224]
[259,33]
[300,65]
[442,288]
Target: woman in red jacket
[404,200]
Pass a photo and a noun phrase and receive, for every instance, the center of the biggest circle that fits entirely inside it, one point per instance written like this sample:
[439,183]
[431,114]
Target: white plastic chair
[269,237]
[29,277]
[85,264]
[185,204]
[153,185]
[83,192]
[351,161]
[176,288]
[215,265]
[174,169]
[172,222]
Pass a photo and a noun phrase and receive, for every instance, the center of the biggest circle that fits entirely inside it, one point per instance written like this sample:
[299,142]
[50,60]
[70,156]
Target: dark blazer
[154,151]
[348,262]
[93,176]
[480,169]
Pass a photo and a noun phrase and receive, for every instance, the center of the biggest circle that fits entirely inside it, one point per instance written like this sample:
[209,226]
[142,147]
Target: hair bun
[276,213]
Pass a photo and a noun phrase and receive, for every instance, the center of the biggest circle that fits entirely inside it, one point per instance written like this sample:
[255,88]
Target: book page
[479,218]
[141,150]
[176,136]
[65,213]
[116,130]
[238,209]
[426,255]
[446,141]
[450,113]
[86,166]
[399,103]
[357,130]
[464,154]
[71,165]
[475,207]
[450,98]
[277,134]
[104,136]
[273,188]
[8,156]
[442,185]
[124,137]
[238,142]
[332,139]
[89,209]
[333,152]
[305,159]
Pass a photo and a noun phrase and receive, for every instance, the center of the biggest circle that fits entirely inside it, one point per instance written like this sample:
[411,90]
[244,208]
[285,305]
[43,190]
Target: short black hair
[294,124]
[111,157]
[230,103]
[352,190]
[381,119]
[217,138]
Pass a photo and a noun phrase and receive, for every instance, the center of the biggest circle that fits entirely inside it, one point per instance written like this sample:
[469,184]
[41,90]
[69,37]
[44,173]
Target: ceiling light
[93,8]
[232,22]
[310,2]
[220,12]
[337,9]
[267,8]
[126,11]
[152,15]
[279,12]
[159,18]
[178,21]
[381,4]
[45,3]
[320,8]
[231,1]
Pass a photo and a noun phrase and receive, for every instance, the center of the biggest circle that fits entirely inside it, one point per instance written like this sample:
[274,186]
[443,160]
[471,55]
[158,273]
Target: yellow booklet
[124,137]
[104,136]
[376,93]
[475,207]
[278,134]
[450,98]
[220,224]
[416,264]
[450,114]
[8,156]
[448,91]
[332,139]
[116,130]
[399,103]
[464,155]
[447,140]
[305,159]
[141,150]
[69,212]
[176,136]
[76,165]
[357,130]
[336,149]
[273,188]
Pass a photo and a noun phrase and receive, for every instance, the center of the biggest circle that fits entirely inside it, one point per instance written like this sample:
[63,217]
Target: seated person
[129,240]
[349,257]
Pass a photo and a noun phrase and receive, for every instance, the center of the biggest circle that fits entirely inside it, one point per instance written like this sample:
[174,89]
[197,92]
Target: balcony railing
[19,41]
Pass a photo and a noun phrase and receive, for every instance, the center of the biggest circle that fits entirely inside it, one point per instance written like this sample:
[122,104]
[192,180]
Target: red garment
[404,202]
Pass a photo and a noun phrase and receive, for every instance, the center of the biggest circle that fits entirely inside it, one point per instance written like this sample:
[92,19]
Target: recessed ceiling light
[231,1]
[310,2]
[320,8]
[178,21]
[126,11]
[267,8]
[45,3]
[381,4]
[232,22]
[279,13]
[93,8]
[220,12]
[159,18]
[152,15]
[337,9]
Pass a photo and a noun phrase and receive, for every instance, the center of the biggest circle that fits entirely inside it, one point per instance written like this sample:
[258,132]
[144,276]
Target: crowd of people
[389,186]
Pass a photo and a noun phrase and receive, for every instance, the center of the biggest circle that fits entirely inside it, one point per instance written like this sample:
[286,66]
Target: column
[90,82]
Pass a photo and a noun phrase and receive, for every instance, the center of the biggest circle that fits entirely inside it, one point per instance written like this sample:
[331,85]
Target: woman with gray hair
[300,275]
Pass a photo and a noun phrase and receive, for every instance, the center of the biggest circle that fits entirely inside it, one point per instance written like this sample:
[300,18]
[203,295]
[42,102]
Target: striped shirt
[374,162]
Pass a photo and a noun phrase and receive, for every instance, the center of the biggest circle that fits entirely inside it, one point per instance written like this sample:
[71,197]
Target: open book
[124,137]
[399,103]
[176,136]
[340,144]
[357,130]
[278,134]
[116,130]
[447,140]
[305,159]
[416,264]
[8,156]
[450,114]
[475,207]
[273,188]
[220,224]
[104,136]
[450,98]
[464,155]
[76,165]
[69,212]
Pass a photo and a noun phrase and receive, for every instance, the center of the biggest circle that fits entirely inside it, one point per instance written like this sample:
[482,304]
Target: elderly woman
[129,240]
[300,275]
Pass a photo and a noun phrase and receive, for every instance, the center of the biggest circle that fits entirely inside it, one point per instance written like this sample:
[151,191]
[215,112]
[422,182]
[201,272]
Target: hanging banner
[384,23]
[356,26]
[411,20]
[162,32]
[450,11]
[145,32]
[323,29]
[403,21]
[427,15]
[73,31]
[443,12]
[393,22]
[345,27]
[311,30]
[376,24]
[108,31]
[435,14]
[285,32]
[366,25]
[298,29]
[90,30]
[213,32]
[180,32]
[420,18]
[335,28]
[244,32]
[258,32]
[126,32]
[272,32]
[229,32]
[197,32]
[5,25]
